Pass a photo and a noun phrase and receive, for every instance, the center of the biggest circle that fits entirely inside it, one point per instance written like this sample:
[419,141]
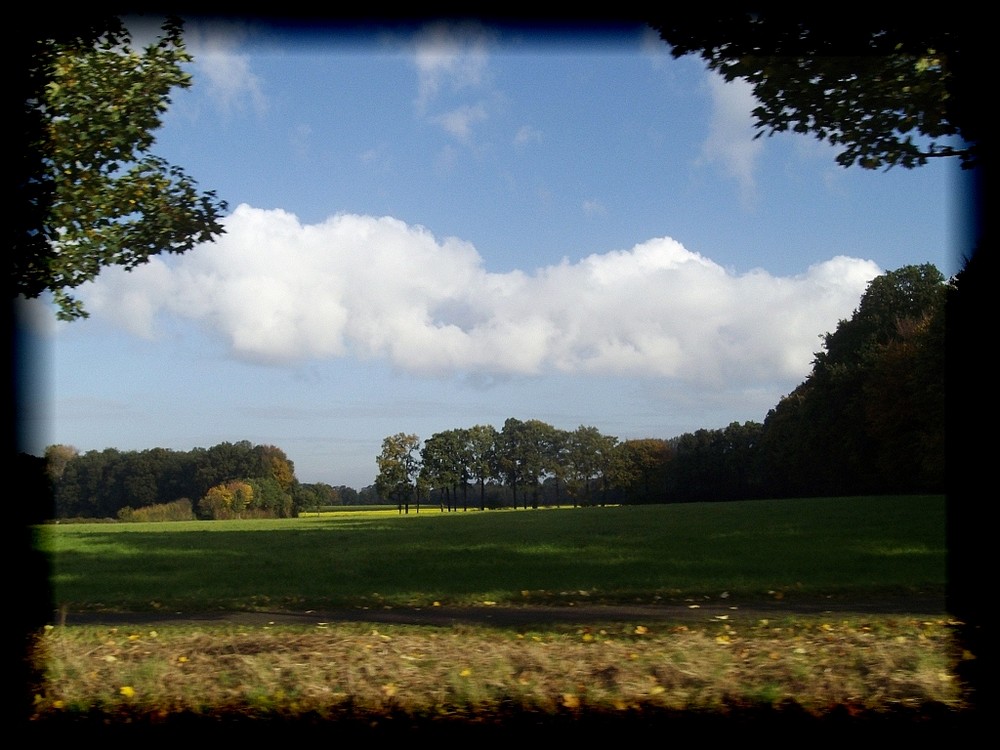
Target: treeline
[868,419]
[228,480]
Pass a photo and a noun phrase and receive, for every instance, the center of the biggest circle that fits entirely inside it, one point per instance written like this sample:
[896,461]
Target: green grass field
[849,546]
[380,680]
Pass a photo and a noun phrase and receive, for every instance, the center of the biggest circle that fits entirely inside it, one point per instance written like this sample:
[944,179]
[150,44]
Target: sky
[446,224]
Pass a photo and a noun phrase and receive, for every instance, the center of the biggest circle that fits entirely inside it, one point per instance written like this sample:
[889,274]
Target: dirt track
[522,616]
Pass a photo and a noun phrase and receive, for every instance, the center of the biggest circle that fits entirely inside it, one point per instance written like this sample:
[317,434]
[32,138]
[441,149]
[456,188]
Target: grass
[836,546]
[373,676]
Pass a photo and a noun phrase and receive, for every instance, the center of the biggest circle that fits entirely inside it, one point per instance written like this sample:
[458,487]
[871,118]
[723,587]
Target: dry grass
[478,673]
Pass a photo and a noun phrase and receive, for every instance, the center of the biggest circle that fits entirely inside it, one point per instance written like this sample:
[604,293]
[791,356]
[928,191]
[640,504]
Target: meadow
[374,674]
[827,546]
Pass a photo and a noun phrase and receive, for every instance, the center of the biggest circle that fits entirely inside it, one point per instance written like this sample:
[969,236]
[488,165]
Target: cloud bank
[279,291]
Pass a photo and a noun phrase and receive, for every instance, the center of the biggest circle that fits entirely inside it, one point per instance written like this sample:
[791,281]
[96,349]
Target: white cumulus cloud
[280,291]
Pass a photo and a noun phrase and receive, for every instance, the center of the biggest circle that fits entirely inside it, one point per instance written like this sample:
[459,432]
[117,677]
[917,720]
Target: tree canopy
[90,192]
[889,89]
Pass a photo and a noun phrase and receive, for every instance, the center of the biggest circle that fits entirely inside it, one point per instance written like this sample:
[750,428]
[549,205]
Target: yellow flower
[641,629]
[127,691]
[465,672]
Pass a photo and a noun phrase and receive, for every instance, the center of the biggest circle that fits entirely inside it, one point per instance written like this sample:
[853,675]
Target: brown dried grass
[472,673]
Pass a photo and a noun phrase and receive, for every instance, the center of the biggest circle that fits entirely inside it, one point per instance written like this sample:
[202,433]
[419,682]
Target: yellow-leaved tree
[227,500]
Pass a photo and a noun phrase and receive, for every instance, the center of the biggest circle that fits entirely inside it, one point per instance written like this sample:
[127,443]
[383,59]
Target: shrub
[178,510]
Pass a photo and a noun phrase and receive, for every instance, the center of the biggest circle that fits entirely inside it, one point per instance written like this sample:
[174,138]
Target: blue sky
[449,224]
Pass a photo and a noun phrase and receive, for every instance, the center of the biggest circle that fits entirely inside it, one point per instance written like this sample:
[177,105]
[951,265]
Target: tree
[905,404]
[482,448]
[224,462]
[270,499]
[693,471]
[90,193]
[510,458]
[640,470]
[740,449]
[346,496]
[588,459]
[314,496]
[56,459]
[525,455]
[888,89]
[541,448]
[227,500]
[275,464]
[870,416]
[90,486]
[398,467]
[443,465]
[907,293]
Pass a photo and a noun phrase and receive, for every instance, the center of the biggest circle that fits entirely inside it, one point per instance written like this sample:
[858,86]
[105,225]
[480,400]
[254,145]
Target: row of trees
[528,462]
[869,418]
[228,480]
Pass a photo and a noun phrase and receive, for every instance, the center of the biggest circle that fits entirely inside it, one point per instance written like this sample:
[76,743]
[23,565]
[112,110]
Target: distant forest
[868,419]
